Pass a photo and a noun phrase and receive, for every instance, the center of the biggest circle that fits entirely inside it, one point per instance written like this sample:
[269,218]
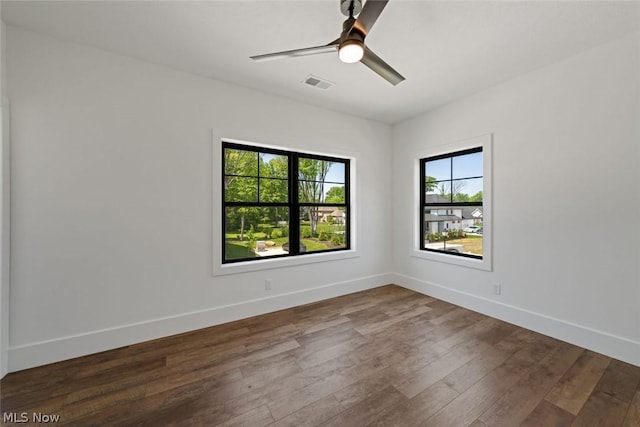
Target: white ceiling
[446,50]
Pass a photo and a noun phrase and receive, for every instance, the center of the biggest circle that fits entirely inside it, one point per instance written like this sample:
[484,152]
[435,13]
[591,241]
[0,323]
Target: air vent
[318,82]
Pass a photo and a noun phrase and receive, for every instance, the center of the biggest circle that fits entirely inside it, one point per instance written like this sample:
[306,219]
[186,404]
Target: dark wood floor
[384,357]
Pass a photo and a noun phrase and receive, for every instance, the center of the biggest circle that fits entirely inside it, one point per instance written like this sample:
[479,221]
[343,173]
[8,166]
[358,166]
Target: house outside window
[279,203]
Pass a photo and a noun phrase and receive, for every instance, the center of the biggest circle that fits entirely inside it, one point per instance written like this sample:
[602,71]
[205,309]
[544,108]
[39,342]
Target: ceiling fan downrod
[350,7]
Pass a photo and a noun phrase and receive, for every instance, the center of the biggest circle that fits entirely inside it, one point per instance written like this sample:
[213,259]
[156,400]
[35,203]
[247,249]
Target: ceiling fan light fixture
[351,51]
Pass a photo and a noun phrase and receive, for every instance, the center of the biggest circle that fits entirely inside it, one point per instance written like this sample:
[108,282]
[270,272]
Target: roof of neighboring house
[337,212]
[433,217]
[327,210]
[435,198]
[467,211]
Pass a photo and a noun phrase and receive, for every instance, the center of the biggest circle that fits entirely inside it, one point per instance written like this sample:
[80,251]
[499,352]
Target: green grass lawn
[313,245]
[238,250]
[472,244]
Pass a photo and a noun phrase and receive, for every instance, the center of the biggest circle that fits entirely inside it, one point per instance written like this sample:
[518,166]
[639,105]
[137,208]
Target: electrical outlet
[497,289]
[267,284]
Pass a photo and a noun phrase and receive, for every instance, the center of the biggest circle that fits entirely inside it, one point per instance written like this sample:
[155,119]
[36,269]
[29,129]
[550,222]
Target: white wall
[112,199]
[4,209]
[566,194]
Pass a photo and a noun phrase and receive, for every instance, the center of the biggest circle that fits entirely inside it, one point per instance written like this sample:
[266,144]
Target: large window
[280,203]
[451,203]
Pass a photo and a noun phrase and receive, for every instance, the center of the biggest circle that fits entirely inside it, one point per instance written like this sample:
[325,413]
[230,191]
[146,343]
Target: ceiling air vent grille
[318,82]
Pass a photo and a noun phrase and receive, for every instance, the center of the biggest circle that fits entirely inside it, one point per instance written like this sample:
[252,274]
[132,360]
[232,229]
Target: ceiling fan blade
[331,47]
[380,67]
[369,15]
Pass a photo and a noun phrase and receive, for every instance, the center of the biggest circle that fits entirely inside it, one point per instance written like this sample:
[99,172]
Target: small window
[279,203]
[451,203]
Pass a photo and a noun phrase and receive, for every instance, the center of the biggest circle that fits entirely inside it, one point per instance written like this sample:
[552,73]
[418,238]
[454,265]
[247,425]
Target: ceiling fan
[350,45]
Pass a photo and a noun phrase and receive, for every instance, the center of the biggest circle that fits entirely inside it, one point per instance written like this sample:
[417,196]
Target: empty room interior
[278,213]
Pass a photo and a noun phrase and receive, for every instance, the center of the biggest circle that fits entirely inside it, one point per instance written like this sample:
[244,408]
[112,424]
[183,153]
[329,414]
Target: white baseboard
[44,352]
[614,346]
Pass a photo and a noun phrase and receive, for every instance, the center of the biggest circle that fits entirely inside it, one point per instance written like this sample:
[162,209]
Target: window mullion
[451,181]
[423,189]
[347,199]
[294,206]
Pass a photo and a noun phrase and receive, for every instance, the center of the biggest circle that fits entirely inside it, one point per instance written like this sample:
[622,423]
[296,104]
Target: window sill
[479,264]
[266,264]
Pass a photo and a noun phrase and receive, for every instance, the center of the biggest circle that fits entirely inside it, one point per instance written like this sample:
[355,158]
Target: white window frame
[486,142]
[222,269]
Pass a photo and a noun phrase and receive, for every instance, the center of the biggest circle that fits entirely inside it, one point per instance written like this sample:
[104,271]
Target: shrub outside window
[279,203]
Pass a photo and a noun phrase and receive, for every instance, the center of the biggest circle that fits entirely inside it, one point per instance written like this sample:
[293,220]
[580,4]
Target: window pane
[467,190]
[317,177]
[334,193]
[436,198]
[431,185]
[241,189]
[439,170]
[453,230]
[311,191]
[274,166]
[468,165]
[443,192]
[322,228]
[274,190]
[253,232]
[240,162]
[336,173]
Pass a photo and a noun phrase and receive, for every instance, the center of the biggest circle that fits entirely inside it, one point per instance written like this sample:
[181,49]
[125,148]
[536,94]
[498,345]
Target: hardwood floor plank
[363,388]
[601,410]
[286,361]
[474,401]
[257,417]
[278,392]
[468,406]
[418,409]
[474,370]
[203,356]
[373,327]
[385,356]
[471,331]
[311,357]
[521,399]
[315,326]
[575,387]
[440,368]
[86,386]
[620,380]
[632,419]
[404,304]
[328,337]
[312,415]
[330,384]
[548,415]
[501,331]
[368,410]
